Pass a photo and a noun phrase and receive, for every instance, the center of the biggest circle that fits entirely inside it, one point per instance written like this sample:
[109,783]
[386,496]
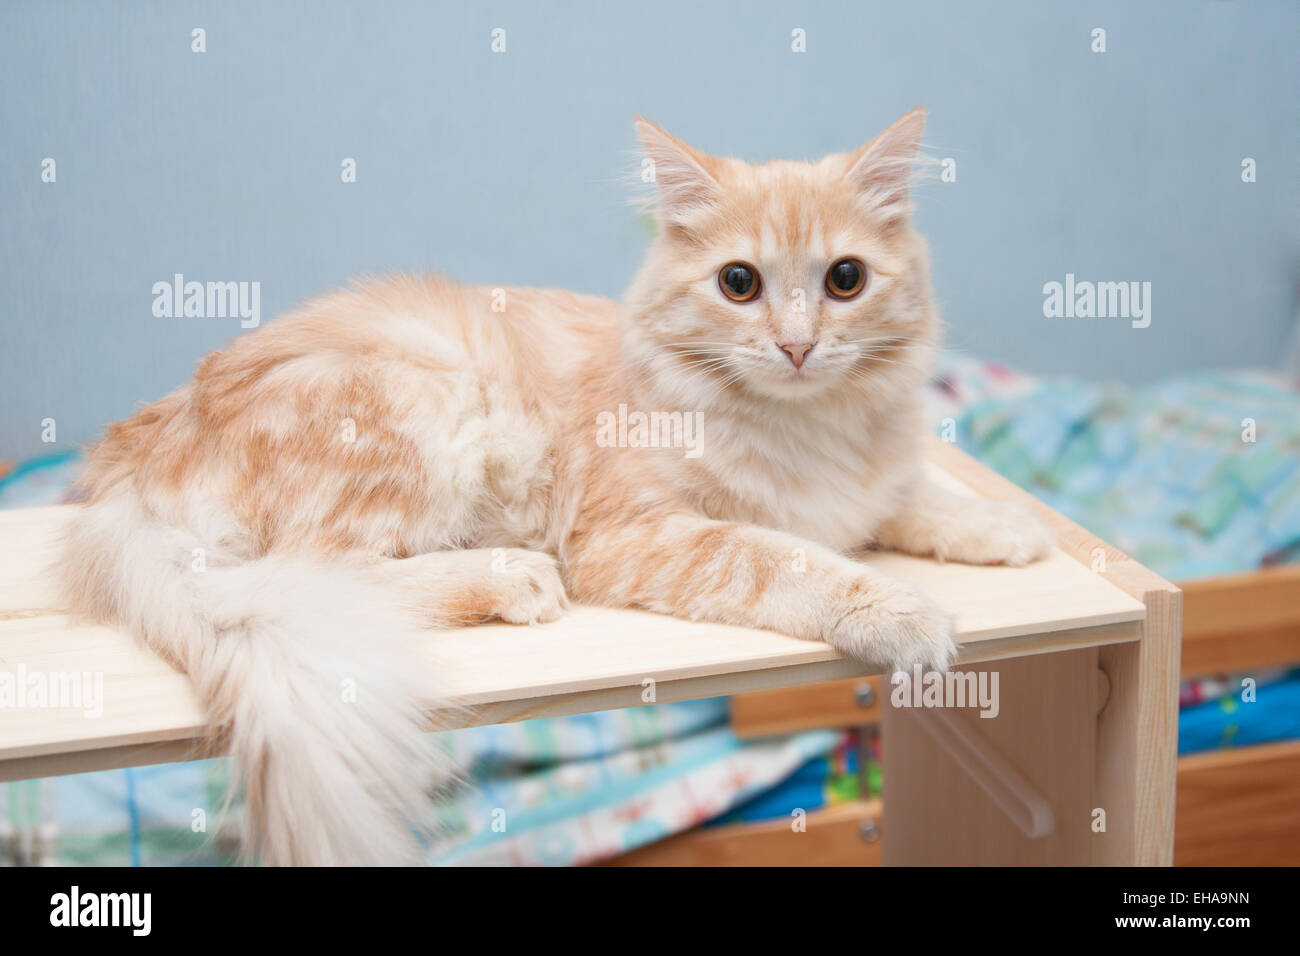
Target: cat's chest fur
[832,481]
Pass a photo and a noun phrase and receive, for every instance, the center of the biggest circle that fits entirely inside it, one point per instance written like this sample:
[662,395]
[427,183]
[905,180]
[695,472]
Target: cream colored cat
[354,464]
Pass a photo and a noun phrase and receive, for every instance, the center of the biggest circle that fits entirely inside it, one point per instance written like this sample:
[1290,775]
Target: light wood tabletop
[591,659]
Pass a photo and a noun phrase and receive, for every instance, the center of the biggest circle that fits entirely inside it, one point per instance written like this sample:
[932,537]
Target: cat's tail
[307,670]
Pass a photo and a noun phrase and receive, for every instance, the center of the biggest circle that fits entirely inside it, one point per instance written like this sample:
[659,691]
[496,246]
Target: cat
[411,453]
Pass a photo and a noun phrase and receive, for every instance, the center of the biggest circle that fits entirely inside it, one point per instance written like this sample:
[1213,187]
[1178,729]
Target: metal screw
[867,830]
[865,694]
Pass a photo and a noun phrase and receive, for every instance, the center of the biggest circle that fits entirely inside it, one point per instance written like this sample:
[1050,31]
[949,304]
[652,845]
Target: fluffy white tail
[308,672]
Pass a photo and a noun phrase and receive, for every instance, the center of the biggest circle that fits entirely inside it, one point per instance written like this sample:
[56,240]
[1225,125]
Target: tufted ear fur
[684,175]
[882,170]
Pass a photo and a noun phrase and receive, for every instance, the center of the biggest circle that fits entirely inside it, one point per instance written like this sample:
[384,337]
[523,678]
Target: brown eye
[739,281]
[846,278]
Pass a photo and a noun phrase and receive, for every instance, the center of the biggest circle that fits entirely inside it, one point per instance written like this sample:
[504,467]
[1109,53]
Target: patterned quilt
[1194,476]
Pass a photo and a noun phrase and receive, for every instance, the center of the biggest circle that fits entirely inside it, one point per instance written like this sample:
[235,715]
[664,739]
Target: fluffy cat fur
[476,430]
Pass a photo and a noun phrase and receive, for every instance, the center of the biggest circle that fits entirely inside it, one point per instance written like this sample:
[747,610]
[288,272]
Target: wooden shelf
[592,659]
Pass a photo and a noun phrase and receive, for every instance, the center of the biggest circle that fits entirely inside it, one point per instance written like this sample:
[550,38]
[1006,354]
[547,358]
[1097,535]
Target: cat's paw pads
[890,627]
[527,588]
[998,532]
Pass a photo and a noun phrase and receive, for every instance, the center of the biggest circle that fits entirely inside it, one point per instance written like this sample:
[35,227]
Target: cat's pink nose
[797,351]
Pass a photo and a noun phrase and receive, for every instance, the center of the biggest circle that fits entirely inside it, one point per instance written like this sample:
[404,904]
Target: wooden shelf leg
[1044,736]
[1137,739]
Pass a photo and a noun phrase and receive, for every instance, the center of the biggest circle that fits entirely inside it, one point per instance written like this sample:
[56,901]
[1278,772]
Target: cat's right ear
[682,174]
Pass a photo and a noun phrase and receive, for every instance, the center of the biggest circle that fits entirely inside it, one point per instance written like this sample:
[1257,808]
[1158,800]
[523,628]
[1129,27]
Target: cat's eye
[846,278]
[739,281]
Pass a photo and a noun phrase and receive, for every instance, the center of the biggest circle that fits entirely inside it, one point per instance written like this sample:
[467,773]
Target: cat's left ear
[882,170]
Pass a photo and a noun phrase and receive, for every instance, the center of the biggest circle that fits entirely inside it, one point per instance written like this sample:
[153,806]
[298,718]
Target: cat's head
[785,280]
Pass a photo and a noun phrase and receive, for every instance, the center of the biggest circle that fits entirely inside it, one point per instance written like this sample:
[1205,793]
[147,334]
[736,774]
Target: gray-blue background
[511,168]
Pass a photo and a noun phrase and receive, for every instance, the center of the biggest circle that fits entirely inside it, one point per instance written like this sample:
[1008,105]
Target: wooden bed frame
[1239,806]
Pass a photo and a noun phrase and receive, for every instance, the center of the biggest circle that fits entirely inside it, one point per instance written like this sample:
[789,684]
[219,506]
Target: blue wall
[511,168]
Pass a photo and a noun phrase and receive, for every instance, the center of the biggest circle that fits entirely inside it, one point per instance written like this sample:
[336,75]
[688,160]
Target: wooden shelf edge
[178,743]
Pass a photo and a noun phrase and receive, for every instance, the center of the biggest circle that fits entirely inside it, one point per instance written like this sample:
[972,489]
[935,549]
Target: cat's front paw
[526,587]
[890,627]
[996,532]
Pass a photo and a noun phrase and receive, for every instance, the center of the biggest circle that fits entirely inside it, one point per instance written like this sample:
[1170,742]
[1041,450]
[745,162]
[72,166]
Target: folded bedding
[1239,710]
[1194,476]
[584,810]
[819,783]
